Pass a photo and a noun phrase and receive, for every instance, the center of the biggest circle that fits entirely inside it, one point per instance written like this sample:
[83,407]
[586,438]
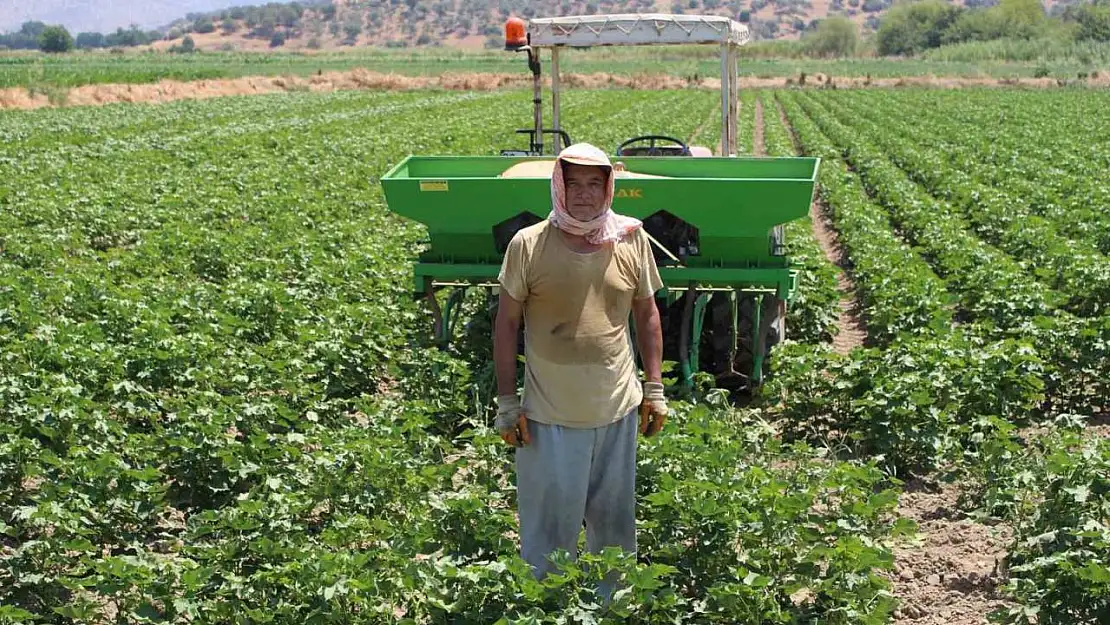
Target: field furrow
[817,314]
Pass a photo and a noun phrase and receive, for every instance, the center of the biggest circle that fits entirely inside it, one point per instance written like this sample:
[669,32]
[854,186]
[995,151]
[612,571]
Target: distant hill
[471,23]
[332,24]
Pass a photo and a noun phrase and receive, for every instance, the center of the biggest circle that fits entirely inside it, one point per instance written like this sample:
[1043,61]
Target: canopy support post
[537,99]
[733,99]
[726,124]
[555,91]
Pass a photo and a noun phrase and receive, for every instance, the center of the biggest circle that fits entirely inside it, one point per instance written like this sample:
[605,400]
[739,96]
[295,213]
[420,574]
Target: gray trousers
[567,475]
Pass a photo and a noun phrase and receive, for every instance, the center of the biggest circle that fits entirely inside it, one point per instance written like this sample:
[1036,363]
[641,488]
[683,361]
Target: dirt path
[951,577]
[851,330]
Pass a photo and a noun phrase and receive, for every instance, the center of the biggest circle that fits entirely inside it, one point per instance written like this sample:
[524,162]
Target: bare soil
[170,90]
[357,79]
[1099,425]
[851,329]
[953,576]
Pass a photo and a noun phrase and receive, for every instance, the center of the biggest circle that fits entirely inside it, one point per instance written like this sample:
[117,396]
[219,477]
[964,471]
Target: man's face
[586,186]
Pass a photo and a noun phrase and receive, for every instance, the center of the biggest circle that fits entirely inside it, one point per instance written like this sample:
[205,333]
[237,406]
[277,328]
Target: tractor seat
[669,150]
[542,169]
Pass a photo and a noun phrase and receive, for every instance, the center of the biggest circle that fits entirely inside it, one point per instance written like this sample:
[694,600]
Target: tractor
[715,220]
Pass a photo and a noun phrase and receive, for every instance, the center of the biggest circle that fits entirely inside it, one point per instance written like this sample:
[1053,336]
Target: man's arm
[506,330]
[649,336]
[511,421]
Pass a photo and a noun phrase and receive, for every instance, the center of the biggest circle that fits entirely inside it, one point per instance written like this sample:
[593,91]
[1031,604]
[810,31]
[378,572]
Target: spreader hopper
[713,219]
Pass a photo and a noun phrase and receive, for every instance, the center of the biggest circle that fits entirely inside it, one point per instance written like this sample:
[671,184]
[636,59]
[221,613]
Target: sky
[105,15]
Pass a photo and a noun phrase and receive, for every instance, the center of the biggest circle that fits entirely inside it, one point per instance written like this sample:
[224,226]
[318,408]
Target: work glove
[653,409]
[511,422]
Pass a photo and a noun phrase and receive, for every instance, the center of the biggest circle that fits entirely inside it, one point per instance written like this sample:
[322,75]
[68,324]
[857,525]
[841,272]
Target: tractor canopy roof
[636,29]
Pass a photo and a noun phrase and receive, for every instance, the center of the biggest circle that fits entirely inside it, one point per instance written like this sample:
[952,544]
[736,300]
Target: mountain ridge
[333,24]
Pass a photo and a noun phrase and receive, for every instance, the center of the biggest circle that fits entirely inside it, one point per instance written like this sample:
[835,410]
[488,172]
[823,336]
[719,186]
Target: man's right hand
[518,435]
[511,421]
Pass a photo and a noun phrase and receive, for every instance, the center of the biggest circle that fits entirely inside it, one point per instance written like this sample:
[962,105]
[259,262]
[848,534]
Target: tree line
[35,35]
[909,29]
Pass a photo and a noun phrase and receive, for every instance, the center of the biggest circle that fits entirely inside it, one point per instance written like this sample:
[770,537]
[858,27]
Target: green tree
[289,16]
[1093,22]
[1021,17]
[204,25]
[910,28]
[836,36]
[130,37]
[974,25]
[55,39]
[32,28]
[188,46]
[1010,19]
[352,28]
[89,40]
[265,29]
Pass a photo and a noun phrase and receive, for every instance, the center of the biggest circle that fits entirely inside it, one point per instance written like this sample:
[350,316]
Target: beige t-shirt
[579,365]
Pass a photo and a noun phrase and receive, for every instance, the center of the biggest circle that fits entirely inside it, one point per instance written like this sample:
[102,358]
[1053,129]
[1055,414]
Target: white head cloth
[607,227]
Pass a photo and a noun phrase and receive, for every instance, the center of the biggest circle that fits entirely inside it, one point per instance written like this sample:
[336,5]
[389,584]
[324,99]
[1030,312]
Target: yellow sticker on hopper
[433,185]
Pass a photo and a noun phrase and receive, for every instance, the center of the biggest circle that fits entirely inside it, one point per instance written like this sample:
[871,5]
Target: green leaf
[755,580]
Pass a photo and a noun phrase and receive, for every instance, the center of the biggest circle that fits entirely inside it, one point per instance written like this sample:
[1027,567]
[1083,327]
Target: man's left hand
[653,409]
[511,422]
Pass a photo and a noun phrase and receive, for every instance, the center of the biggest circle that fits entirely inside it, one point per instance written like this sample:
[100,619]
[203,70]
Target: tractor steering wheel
[653,150]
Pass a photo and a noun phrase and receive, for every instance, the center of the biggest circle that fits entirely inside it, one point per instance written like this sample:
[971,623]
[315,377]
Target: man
[575,278]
